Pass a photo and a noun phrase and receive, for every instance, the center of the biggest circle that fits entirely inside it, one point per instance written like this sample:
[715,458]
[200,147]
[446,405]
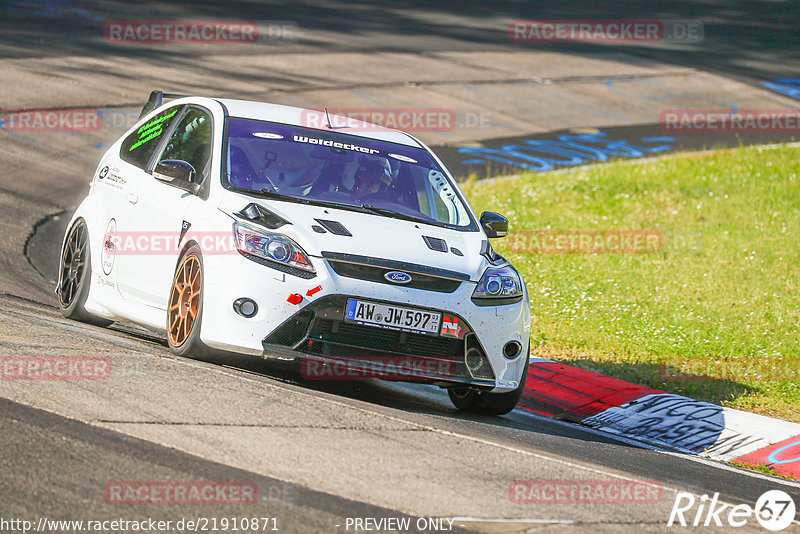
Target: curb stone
[662,419]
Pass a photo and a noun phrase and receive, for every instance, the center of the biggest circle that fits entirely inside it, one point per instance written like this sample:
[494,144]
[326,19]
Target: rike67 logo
[774,510]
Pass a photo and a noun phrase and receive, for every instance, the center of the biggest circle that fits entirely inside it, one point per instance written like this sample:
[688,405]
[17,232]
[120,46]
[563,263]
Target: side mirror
[177,173]
[494,224]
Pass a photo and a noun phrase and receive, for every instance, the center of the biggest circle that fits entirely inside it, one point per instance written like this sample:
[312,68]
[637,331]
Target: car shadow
[668,378]
[420,399]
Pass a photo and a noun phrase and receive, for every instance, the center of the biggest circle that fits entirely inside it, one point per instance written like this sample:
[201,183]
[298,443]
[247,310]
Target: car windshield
[328,167]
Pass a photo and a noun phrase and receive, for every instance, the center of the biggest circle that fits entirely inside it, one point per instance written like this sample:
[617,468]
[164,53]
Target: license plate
[394,317]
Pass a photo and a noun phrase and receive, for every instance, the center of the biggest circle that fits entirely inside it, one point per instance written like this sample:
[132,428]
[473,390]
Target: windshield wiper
[272,193]
[361,208]
[396,215]
[269,193]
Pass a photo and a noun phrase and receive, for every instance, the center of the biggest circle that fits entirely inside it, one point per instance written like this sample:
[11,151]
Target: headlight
[272,247]
[498,283]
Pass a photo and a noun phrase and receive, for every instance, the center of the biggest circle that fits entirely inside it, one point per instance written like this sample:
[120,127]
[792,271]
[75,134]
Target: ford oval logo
[396,277]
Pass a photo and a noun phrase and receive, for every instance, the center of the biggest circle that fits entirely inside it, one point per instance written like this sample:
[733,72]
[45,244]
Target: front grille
[320,330]
[387,349]
[383,339]
[376,274]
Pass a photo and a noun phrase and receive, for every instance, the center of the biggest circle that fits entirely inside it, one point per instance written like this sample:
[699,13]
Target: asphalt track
[322,452]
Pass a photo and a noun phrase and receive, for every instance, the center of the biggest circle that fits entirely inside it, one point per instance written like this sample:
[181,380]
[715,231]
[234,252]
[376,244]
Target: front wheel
[74,276]
[185,307]
[483,402]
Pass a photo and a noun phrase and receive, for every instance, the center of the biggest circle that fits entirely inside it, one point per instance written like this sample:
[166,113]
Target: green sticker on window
[151,130]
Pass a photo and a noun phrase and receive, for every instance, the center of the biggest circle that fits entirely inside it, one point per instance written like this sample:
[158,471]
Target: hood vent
[435,243]
[334,227]
[260,215]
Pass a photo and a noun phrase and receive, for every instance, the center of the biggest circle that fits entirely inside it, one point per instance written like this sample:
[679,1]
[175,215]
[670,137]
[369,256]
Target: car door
[122,185]
[156,211]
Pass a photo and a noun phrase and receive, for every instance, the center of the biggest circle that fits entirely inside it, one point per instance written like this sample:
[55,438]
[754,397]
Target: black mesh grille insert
[386,340]
[475,358]
[376,274]
[334,227]
[434,243]
[293,331]
[357,344]
[320,330]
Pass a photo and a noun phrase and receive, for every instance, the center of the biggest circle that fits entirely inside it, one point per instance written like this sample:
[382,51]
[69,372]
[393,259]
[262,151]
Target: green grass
[763,469]
[719,302]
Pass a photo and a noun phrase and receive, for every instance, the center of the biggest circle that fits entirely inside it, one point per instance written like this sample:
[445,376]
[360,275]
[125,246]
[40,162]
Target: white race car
[238,227]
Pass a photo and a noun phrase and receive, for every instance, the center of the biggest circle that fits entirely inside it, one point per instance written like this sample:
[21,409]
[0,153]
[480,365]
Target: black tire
[483,402]
[74,276]
[186,304]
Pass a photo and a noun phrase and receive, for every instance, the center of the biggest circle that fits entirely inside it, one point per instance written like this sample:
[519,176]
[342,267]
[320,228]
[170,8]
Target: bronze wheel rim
[184,300]
[73,262]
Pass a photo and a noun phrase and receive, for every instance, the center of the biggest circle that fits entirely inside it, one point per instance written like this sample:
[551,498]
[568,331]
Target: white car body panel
[135,287]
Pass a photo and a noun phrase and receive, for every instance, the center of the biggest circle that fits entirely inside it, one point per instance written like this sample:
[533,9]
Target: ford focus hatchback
[262,229]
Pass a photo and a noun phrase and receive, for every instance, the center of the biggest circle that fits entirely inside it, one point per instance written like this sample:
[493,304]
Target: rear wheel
[185,307]
[74,276]
[484,402]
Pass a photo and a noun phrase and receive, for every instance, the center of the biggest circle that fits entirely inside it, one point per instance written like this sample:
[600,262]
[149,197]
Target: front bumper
[314,329]
[319,333]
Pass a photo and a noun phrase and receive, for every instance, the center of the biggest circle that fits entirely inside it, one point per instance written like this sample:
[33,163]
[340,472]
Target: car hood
[373,236]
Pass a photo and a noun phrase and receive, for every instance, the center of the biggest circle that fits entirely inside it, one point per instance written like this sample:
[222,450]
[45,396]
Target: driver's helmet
[372,176]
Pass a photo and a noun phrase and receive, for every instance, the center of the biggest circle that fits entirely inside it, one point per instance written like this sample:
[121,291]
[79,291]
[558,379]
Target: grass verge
[710,310]
[764,470]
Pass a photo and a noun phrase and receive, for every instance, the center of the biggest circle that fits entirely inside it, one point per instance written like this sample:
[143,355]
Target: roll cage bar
[156,99]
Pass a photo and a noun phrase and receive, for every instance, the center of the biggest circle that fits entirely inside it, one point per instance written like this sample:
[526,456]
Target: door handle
[133,198]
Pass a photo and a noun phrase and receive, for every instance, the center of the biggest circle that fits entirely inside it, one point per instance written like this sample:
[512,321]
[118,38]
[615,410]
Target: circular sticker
[775,510]
[402,158]
[267,135]
[109,247]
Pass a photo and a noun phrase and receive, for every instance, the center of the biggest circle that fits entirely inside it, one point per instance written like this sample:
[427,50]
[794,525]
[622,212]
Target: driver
[371,177]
